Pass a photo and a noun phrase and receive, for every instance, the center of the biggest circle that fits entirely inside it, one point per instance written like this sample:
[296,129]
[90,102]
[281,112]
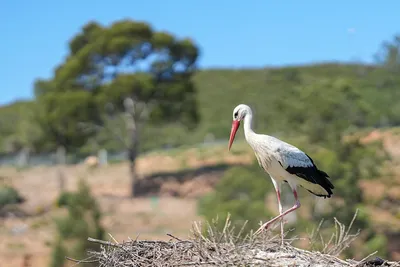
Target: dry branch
[225,248]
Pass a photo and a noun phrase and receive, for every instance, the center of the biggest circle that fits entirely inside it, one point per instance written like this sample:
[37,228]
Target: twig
[364,259]
[107,243]
[113,238]
[137,236]
[81,261]
[174,237]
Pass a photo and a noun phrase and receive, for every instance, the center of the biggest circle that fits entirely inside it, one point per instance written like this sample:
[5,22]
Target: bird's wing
[298,163]
[293,157]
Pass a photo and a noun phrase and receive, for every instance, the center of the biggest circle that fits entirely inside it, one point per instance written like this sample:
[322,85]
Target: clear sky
[35,33]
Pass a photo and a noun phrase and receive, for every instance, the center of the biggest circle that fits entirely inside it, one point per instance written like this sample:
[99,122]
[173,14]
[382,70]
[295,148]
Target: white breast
[277,171]
[271,165]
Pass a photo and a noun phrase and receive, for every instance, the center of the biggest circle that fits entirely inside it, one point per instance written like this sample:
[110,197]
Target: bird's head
[239,113]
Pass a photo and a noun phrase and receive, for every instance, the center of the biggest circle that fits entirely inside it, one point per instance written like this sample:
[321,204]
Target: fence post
[61,160]
[23,158]
[103,157]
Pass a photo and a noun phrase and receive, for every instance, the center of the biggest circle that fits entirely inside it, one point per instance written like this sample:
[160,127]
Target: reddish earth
[164,176]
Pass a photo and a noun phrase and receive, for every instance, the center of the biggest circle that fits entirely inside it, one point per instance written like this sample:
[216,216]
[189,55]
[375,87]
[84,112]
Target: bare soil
[167,193]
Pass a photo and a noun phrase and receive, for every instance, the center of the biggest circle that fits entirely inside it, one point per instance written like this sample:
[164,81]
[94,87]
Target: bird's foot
[267,225]
[262,227]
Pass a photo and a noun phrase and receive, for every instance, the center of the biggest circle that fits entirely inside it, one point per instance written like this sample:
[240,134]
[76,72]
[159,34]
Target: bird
[283,162]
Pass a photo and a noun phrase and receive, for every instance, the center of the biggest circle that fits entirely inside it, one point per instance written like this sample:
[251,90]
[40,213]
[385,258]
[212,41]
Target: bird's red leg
[278,196]
[267,224]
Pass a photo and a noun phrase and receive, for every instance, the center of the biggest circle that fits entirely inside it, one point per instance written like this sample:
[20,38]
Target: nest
[225,248]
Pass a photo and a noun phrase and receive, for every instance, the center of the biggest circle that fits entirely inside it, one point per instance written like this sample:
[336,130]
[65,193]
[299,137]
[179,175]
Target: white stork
[283,162]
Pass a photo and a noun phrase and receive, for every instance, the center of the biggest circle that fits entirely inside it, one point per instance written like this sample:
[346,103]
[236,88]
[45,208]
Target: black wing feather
[313,175]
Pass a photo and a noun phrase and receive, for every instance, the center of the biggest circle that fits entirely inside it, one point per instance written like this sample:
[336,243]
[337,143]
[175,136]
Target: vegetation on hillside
[219,91]
[82,220]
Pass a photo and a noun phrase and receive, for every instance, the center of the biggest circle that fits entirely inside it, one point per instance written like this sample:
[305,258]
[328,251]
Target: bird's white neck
[248,129]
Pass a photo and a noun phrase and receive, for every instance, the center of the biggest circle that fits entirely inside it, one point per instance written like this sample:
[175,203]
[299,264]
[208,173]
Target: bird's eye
[236,114]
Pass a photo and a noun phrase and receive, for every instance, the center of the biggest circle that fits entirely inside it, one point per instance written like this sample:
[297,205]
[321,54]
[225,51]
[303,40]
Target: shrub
[82,221]
[8,195]
[241,192]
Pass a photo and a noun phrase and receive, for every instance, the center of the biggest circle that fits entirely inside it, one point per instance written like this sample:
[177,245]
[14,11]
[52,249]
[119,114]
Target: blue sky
[34,34]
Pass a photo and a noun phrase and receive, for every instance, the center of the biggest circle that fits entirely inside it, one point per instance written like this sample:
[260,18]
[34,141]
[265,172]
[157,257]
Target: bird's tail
[325,182]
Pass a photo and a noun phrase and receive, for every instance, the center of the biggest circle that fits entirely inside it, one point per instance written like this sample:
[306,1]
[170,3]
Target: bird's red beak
[235,127]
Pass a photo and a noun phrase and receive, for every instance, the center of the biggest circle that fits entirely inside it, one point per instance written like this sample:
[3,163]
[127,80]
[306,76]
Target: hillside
[269,91]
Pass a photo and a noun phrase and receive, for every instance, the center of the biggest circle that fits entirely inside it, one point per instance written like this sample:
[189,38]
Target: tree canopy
[106,65]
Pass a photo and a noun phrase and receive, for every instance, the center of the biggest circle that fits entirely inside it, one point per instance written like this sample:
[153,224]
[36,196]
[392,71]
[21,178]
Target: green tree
[126,68]
[18,129]
[82,221]
[389,55]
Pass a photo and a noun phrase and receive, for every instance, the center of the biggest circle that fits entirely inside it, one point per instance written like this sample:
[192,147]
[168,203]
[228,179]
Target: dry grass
[226,248]
[339,240]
